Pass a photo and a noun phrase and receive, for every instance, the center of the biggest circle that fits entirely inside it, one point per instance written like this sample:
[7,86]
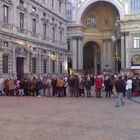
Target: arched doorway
[91,58]
[101,22]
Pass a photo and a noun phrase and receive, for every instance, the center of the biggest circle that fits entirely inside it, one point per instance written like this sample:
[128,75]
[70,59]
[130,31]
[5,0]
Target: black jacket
[120,86]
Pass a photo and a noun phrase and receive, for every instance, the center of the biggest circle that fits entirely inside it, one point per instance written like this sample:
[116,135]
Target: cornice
[50,46]
[49,10]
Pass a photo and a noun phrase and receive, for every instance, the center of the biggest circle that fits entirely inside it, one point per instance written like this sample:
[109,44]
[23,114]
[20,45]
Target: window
[69,11]
[33,9]
[5,44]
[21,21]
[53,66]
[135,6]
[68,43]
[61,37]
[5,14]
[60,6]
[5,64]
[45,66]
[52,3]
[44,14]
[34,25]
[53,30]
[136,42]
[21,2]
[34,65]
[44,29]
[61,67]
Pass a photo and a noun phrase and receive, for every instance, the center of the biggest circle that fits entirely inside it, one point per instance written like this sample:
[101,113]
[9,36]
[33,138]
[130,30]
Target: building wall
[129,29]
[23,42]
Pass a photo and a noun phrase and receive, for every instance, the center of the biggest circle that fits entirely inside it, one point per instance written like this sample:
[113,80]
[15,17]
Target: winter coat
[120,86]
[98,83]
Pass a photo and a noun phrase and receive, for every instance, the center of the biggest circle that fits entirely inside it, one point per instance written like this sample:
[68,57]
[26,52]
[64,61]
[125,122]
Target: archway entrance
[92,58]
[101,22]
[20,68]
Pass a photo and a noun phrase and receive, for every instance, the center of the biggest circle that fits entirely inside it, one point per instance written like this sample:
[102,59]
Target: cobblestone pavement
[32,118]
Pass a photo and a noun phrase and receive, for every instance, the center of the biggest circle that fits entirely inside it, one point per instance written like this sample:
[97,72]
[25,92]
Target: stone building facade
[33,38]
[104,35]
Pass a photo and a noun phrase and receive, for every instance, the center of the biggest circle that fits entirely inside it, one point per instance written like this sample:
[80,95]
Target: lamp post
[115,37]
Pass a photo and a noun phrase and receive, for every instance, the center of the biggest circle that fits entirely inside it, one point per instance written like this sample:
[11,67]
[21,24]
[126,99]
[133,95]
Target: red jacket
[98,83]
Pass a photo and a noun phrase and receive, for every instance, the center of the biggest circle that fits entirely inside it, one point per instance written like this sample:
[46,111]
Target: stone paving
[32,118]
[136,99]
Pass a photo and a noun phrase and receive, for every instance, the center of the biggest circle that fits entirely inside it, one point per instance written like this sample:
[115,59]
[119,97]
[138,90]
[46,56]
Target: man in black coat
[120,88]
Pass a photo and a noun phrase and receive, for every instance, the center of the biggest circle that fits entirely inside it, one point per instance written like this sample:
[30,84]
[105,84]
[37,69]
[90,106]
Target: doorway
[20,68]
[92,58]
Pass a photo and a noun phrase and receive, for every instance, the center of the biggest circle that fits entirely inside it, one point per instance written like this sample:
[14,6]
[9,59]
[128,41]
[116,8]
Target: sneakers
[39,96]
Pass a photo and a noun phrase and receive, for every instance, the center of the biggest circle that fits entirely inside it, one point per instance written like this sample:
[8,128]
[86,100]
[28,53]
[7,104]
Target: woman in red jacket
[98,86]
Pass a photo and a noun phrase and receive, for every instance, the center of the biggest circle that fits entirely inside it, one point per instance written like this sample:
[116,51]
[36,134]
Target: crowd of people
[76,86]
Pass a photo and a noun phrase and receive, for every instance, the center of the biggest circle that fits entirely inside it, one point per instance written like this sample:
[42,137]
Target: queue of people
[76,86]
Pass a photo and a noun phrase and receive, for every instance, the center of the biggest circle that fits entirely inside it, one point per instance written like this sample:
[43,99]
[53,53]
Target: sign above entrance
[91,21]
[135,60]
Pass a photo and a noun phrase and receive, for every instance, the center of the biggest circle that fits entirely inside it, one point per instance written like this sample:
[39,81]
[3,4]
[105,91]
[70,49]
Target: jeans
[129,93]
[21,92]
[120,99]
[41,93]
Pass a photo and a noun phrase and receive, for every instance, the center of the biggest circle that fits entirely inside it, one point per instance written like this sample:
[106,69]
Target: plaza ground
[32,118]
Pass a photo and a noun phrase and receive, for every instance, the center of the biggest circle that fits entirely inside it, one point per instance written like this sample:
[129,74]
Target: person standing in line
[88,86]
[98,86]
[21,88]
[92,85]
[120,88]
[54,86]
[71,86]
[60,86]
[48,88]
[108,86]
[65,86]
[129,87]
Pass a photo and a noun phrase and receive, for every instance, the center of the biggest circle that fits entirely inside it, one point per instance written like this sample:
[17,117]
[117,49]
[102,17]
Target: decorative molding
[8,2]
[20,7]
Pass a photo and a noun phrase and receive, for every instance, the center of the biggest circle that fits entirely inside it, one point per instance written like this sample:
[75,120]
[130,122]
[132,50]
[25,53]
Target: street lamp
[115,37]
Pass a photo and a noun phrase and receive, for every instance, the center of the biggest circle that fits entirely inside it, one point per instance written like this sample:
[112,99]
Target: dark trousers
[98,93]
[60,92]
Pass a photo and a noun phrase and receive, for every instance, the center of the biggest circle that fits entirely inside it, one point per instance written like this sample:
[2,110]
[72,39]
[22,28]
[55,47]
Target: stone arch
[87,3]
[92,58]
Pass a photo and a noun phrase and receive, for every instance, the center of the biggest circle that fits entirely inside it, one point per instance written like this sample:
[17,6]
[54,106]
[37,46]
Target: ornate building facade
[104,35]
[33,38]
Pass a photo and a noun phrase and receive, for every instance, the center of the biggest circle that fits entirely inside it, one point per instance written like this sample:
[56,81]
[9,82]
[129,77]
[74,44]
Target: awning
[135,67]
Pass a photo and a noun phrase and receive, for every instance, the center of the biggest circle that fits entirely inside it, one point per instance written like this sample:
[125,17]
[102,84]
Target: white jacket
[129,84]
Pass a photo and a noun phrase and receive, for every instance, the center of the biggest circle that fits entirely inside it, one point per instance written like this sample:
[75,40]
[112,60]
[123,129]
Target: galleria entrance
[101,36]
[92,58]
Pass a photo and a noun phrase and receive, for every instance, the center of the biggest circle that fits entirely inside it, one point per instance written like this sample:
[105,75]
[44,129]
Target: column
[103,51]
[110,55]
[80,54]
[1,59]
[57,63]
[49,62]
[40,61]
[27,63]
[126,52]
[122,52]
[14,60]
[74,59]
